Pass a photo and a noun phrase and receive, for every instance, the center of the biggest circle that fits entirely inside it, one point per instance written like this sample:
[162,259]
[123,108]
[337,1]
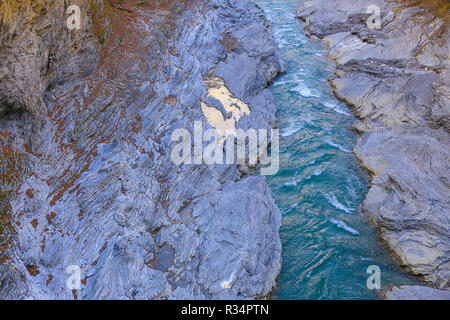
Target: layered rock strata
[96,187]
[395,79]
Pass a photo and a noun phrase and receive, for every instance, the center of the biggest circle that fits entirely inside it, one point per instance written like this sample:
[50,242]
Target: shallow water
[327,243]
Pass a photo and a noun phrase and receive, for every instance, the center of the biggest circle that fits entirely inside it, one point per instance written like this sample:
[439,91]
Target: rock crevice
[104,194]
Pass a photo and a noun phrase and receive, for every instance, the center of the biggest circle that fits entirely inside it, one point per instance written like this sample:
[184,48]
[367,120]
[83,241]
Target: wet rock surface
[396,81]
[96,187]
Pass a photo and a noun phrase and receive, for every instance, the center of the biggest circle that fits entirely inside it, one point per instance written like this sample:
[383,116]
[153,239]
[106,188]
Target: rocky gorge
[87,180]
[395,78]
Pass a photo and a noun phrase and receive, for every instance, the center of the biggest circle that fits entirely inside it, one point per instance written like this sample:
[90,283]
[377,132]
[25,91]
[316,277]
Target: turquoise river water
[327,243]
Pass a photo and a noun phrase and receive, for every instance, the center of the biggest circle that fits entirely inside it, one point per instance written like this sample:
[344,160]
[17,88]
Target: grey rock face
[38,51]
[396,82]
[100,190]
[416,293]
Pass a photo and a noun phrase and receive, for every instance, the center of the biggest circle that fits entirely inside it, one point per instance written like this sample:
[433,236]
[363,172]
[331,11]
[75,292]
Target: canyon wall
[86,123]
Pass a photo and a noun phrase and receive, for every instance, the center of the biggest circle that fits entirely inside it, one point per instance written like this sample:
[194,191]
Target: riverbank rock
[396,81]
[416,293]
[96,190]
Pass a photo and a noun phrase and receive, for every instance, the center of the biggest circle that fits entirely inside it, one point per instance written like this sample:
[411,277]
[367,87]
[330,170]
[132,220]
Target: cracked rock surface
[396,81]
[94,184]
